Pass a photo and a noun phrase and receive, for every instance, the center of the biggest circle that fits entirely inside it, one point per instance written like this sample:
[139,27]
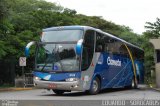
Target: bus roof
[78,27]
[65,28]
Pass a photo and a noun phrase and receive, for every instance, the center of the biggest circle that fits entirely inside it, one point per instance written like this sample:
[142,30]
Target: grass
[6,86]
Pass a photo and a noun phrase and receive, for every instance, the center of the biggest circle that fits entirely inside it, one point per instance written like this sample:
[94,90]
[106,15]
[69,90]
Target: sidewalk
[157,89]
[142,86]
[15,89]
[154,88]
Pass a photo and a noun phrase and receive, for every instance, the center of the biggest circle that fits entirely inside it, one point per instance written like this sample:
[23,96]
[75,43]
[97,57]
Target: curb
[143,87]
[15,89]
[157,89]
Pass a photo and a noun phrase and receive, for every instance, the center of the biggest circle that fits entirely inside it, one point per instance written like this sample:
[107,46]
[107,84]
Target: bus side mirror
[79,47]
[27,48]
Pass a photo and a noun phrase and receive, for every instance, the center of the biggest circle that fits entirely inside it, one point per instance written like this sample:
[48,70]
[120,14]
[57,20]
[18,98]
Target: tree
[24,20]
[5,27]
[153,31]
[154,28]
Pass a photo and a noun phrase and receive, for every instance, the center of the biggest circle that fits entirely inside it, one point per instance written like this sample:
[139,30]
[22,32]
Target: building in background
[156,44]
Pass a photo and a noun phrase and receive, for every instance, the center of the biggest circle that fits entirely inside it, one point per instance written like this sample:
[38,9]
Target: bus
[83,58]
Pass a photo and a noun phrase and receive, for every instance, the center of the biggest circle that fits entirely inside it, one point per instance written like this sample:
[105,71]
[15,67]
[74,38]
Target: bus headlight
[36,78]
[71,79]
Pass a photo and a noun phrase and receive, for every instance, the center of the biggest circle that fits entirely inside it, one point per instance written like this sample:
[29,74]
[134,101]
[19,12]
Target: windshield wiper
[48,59]
[55,57]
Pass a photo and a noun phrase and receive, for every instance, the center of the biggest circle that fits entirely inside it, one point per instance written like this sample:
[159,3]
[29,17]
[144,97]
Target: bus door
[87,62]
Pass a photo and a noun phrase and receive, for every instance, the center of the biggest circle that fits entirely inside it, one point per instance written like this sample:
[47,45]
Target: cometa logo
[113,62]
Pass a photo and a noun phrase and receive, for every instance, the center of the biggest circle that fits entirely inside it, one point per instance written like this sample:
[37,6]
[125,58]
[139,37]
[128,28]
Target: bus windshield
[61,35]
[57,58]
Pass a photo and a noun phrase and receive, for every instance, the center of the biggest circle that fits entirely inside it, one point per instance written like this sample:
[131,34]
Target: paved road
[118,94]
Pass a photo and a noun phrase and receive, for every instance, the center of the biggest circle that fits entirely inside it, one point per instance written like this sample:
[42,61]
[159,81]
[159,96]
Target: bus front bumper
[58,85]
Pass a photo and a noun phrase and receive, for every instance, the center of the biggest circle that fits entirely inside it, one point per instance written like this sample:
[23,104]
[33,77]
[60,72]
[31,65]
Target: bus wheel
[58,92]
[95,87]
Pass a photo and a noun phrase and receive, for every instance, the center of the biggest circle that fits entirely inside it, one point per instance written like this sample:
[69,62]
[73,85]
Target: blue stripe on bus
[114,76]
[57,76]
[121,79]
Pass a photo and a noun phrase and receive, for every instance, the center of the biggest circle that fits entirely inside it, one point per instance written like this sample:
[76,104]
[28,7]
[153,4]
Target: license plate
[52,86]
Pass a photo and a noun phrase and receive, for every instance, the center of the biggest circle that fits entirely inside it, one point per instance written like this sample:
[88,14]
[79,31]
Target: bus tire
[58,92]
[95,86]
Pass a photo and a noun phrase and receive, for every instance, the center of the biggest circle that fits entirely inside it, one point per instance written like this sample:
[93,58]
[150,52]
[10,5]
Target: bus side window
[99,43]
[117,45]
[109,44]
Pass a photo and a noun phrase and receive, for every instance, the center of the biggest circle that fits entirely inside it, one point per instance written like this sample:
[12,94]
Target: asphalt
[31,88]
[41,97]
[41,94]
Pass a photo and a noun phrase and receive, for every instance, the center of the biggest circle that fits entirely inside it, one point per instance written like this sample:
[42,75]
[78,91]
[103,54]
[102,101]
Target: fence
[7,72]
[28,80]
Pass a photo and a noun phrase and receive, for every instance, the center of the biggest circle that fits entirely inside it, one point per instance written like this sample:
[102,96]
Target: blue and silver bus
[83,58]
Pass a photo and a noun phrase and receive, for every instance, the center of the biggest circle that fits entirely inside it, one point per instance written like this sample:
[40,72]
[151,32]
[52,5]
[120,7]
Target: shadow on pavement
[72,94]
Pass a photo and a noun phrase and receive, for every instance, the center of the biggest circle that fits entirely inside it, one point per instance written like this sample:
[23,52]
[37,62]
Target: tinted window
[88,49]
[100,44]
[122,49]
[137,53]
[114,46]
[62,35]
[109,44]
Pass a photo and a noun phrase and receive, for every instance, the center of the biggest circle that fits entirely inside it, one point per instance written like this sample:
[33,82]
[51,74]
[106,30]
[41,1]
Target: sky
[132,13]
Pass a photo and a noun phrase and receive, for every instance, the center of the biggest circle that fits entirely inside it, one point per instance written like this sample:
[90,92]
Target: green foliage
[3,9]
[23,20]
[152,32]
[5,28]
[154,28]
[25,6]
